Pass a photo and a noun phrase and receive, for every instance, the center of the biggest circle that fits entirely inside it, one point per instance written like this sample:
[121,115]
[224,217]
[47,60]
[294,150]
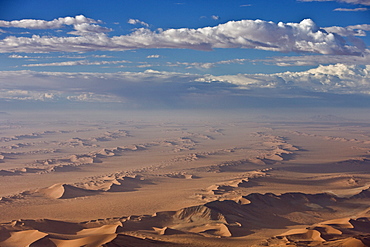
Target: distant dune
[215,183]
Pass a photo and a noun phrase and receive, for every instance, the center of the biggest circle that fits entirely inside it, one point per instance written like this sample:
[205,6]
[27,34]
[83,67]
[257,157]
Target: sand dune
[22,238]
[332,138]
[220,219]
[105,229]
[337,232]
[304,235]
[180,175]
[91,241]
[103,184]
[64,191]
[185,184]
[91,188]
[228,190]
[70,163]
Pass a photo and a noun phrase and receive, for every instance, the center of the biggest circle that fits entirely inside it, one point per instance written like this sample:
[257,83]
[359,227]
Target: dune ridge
[347,232]
[83,189]
[216,219]
[228,190]
[73,161]
[185,184]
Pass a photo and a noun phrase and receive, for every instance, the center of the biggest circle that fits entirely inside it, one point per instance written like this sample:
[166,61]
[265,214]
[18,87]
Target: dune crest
[216,219]
[336,232]
[22,238]
[63,191]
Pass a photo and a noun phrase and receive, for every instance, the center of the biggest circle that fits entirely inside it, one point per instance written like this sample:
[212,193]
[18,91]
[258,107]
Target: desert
[195,182]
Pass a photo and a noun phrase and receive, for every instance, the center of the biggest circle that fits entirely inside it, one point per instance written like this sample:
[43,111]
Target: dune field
[195,181]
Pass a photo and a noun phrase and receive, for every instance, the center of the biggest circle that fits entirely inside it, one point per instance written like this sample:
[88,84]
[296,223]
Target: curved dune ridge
[228,190]
[344,232]
[22,238]
[91,188]
[216,219]
[74,161]
[64,191]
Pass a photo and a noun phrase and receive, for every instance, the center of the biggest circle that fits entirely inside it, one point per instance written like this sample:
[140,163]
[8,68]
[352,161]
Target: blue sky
[185,53]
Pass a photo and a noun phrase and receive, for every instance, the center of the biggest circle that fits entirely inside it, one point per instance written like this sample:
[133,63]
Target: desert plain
[176,179]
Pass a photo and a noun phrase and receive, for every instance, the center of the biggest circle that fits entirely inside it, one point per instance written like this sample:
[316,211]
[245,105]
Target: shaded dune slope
[217,219]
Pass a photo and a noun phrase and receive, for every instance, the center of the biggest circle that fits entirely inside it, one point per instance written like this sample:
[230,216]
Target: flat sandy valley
[183,181]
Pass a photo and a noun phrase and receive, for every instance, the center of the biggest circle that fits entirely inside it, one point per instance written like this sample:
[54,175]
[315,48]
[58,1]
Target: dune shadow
[129,184]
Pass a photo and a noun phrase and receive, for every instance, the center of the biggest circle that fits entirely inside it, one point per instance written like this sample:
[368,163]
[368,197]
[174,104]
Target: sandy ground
[188,182]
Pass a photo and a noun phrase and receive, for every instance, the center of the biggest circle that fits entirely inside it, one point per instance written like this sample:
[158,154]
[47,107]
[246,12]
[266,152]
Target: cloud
[365,27]
[75,63]
[317,59]
[50,57]
[17,56]
[102,56]
[334,79]
[53,96]
[215,17]
[345,31]
[92,97]
[42,24]
[195,65]
[136,21]
[144,88]
[209,64]
[361,2]
[84,28]
[153,56]
[351,10]
[80,23]
[305,36]
[157,88]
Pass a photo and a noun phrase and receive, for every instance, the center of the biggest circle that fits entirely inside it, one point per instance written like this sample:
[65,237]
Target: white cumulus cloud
[84,28]
[136,21]
[335,79]
[42,24]
[364,27]
[305,36]
[346,31]
[80,23]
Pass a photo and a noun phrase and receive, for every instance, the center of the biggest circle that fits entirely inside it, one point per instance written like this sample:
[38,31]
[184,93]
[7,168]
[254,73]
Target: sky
[174,54]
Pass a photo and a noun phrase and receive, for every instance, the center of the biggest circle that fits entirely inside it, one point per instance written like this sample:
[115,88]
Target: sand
[193,182]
